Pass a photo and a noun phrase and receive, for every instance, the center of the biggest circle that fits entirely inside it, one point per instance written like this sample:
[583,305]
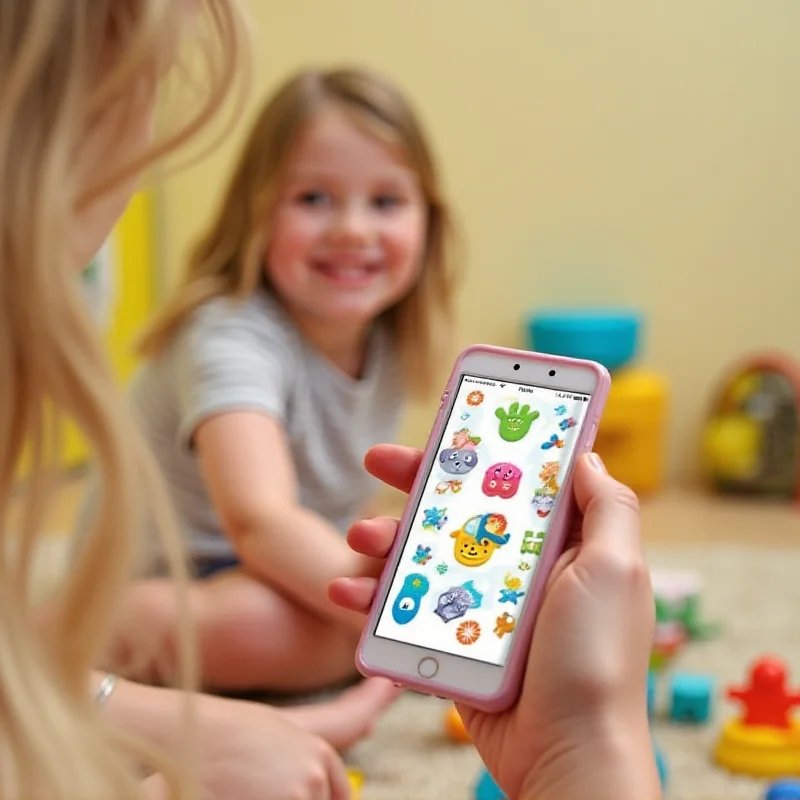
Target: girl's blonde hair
[228,258]
[68,68]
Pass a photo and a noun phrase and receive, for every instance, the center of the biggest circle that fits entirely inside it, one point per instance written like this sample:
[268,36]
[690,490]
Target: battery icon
[585,399]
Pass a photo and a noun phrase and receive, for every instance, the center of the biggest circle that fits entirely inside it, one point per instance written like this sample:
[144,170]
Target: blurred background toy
[486,787]
[764,741]
[783,790]
[751,441]
[631,436]
[454,726]
[356,779]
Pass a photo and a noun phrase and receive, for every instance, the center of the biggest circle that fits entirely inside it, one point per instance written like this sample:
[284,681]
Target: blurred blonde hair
[68,68]
[228,259]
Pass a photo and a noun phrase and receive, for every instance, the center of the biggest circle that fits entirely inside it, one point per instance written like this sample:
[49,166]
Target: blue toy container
[608,336]
[486,788]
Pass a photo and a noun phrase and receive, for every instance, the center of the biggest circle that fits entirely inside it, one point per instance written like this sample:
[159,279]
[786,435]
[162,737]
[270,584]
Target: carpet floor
[754,592]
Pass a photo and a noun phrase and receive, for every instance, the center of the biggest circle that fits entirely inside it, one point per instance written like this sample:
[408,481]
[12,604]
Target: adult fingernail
[597,462]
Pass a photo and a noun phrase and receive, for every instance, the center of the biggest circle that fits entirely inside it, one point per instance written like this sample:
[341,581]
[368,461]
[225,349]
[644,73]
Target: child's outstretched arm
[250,476]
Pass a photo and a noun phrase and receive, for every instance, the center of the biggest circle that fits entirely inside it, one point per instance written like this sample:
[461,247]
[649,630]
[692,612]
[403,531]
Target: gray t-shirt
[250,356]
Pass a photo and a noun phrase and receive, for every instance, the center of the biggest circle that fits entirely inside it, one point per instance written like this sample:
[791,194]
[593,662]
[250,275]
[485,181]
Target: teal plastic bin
[608,336]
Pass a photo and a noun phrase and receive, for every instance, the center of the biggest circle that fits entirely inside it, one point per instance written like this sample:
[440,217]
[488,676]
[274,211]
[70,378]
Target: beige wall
[616,152]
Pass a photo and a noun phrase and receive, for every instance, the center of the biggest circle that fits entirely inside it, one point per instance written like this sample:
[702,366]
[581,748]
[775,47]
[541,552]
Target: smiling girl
[312,307]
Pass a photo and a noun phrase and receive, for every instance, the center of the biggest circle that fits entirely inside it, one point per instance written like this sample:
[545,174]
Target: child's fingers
[354,594]
[394,464]
[372,537]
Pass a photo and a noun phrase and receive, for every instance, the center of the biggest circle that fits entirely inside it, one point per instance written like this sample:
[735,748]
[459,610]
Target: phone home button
[428,667]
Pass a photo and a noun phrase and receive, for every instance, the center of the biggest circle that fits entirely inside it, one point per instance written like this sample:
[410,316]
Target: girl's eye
[313,198]
[387,201]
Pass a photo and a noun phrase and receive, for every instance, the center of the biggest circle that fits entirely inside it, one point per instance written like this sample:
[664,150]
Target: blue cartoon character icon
[406,605]
[553,441]
[567,423]
[560,410]
[434,519]
[511,593]
[422,556]
[458,462]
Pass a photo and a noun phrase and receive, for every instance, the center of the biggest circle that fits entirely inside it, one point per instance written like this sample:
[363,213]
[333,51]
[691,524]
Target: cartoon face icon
[458,462]
[516,422]
[543,503]
[479,538]
[502,480]
[407,603]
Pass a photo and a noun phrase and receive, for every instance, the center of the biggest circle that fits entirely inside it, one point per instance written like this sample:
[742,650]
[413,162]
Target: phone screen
[483,516]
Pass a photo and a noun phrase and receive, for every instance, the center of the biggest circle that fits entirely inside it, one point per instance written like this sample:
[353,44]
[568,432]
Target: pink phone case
[551,550]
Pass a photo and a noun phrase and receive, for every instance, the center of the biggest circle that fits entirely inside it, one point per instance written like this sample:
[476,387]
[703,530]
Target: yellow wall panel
[133,289]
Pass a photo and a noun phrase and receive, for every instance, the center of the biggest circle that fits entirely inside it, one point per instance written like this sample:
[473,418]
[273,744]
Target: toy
[455,727]
[765,741]
[751,442]
[630,438]
[691,698]
[356,779]
[605,335]
[783,790]
[651,693]
[661,765]
[677,597]
[486,787]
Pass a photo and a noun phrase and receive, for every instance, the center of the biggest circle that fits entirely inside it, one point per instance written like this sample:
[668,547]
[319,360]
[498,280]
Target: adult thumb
[610,510]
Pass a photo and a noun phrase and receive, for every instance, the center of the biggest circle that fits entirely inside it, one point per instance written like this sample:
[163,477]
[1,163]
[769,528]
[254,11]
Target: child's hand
[579,728]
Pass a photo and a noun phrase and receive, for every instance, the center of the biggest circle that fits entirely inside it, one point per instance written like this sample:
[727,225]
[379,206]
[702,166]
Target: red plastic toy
[766,699]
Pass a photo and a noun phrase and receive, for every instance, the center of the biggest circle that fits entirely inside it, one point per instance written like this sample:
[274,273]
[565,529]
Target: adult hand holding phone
[579,727]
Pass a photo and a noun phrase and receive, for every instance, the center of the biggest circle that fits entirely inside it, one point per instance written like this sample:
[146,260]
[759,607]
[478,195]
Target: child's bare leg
[250,637]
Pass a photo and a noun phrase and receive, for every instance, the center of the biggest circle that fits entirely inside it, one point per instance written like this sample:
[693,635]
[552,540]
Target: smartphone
[485,522]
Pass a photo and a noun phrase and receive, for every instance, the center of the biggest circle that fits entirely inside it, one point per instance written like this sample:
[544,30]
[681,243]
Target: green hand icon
[516,422]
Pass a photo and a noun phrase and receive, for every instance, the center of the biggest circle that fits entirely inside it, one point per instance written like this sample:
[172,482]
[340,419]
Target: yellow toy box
[632,434]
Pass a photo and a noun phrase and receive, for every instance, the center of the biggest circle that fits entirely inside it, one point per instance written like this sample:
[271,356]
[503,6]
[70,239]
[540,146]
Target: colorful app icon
[502,480]
[434,519]
[553,441]
[456,601]
[458,462]
[504,624]
[479,538]
[512,589]
[407,604]
[422,556]
[516,422]
[531,545]
[543,502]
[468,632]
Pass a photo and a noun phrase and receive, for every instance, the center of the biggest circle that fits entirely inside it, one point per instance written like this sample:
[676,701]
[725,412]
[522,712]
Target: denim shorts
[208,567]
